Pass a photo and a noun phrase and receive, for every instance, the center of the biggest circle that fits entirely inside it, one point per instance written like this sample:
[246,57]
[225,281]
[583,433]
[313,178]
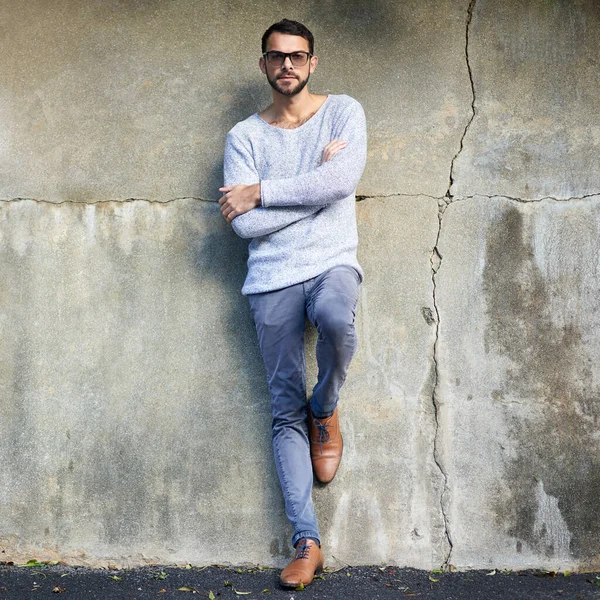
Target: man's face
[287,79]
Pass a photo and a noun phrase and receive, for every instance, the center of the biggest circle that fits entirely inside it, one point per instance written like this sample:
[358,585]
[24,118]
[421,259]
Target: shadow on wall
[218,257]
[356,20]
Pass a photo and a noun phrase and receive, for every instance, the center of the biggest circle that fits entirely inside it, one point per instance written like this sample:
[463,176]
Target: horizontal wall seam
[124,201]
[455,199]
[362,198]
[528,200]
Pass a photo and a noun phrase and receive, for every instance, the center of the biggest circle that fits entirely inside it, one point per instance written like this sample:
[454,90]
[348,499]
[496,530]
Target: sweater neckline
[313,118]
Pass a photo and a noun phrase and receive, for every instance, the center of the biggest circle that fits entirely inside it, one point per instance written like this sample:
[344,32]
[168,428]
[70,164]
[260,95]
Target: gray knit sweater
[307,221]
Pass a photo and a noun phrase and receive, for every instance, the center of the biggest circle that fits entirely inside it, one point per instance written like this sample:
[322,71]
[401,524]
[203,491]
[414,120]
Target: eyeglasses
[299,58]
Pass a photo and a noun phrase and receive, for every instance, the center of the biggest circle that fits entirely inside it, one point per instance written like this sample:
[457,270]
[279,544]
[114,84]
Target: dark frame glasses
[276,58]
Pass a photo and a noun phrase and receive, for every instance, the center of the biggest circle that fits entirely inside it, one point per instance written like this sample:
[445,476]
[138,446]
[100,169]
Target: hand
[332,149]
[238,199]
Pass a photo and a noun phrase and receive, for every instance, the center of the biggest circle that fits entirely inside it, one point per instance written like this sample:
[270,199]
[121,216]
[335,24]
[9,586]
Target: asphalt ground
[228,583]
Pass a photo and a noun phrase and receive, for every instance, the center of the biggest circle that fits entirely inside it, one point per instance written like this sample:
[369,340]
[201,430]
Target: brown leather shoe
[326,446]
[307,562]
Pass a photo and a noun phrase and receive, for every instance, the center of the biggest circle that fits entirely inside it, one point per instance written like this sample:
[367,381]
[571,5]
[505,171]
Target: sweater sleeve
[332,181]
[239,167]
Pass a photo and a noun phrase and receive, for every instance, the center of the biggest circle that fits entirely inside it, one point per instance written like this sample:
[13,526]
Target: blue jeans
[329,301]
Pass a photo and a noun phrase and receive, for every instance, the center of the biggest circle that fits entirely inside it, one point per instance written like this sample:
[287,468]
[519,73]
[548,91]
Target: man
[290,176]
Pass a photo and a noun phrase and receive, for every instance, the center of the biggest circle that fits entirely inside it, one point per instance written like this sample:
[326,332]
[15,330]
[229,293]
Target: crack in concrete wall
[436,263]
[376,196]
[442,200]
[124,201]
[470,11]
[528,200]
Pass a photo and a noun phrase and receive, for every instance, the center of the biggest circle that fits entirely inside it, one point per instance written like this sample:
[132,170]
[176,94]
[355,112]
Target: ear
[261,64]
[314,61]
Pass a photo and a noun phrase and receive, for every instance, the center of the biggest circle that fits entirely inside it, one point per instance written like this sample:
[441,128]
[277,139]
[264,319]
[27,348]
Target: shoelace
[303,550]
[323,433]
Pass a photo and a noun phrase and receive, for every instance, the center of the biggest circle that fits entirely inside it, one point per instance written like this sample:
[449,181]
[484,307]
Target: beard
[292,90]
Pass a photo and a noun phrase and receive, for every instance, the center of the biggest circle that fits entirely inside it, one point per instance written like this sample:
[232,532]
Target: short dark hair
[290,28]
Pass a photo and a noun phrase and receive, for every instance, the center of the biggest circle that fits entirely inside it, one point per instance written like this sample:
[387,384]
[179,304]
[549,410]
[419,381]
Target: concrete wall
[135,414]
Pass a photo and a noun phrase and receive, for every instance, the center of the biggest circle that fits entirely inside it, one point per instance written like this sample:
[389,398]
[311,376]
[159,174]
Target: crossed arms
[256,208]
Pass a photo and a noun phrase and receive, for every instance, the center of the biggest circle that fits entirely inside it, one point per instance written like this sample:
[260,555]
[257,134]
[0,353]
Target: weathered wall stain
[135,473]
[555,443]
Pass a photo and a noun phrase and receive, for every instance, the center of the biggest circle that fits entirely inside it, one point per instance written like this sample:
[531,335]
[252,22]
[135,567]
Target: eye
[299,58]
[275,57]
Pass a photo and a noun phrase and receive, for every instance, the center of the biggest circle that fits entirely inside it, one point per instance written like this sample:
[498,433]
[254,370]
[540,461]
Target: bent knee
[336,325]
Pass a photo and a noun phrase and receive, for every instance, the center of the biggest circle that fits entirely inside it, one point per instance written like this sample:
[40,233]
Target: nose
[287,63]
